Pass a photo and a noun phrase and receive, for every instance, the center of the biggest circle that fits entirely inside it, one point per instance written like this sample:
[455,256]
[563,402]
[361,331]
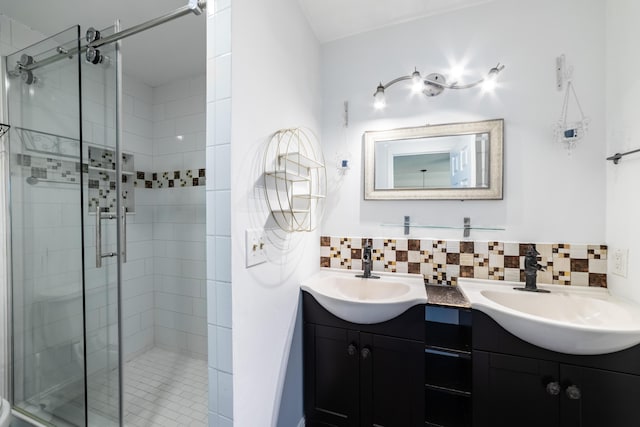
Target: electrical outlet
[620,262]
[255,243]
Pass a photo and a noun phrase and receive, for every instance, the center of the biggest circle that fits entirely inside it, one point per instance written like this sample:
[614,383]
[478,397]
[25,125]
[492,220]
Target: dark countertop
[447,296]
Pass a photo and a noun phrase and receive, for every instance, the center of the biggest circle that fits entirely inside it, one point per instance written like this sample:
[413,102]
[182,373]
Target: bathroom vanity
[447,363]
[412,370]
[359,374]
[517,383]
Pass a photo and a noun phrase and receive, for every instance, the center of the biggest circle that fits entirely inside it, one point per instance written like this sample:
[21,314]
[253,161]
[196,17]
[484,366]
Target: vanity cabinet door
[331,375]
[595,398]
[514,391]
[391,381]
[357,379]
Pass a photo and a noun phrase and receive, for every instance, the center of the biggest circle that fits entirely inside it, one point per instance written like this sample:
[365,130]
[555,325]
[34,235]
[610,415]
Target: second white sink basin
[365,301]
[572,320]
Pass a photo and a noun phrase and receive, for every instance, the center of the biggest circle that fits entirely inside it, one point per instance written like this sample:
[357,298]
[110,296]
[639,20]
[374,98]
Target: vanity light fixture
[434,84]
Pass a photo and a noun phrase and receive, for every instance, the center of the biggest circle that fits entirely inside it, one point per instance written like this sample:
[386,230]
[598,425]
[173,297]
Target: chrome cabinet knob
[553,388]
[366,352]
[352,349]
[573,392]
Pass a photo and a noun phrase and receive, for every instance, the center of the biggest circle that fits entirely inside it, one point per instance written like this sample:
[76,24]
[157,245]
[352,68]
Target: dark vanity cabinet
[518,384]
[363,375]
[447,359]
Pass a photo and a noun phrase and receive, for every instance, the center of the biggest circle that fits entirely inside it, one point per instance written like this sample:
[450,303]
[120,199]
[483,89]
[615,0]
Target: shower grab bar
[99,255]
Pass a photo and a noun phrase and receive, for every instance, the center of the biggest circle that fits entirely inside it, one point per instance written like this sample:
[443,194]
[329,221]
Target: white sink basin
[365,301]
[573,320]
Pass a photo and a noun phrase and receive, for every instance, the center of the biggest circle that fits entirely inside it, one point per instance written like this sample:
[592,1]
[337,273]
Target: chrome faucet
[531,268]
[367,262]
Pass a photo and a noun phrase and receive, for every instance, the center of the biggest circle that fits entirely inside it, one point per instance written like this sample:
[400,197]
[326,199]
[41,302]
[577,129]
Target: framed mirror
[456,161]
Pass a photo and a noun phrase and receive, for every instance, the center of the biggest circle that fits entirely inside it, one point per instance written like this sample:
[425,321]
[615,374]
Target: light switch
[255,242]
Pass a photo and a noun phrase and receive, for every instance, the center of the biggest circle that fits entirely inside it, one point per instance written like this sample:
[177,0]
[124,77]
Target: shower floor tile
[166,389]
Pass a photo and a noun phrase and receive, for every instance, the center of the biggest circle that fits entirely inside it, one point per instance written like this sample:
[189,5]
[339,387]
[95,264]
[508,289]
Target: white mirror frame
[495,129]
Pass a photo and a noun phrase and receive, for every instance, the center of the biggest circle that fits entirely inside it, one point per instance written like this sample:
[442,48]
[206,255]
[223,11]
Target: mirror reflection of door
[421,170]
[456,161]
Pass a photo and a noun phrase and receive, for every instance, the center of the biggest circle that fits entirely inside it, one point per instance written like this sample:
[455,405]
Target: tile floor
[165,389]
[161,389]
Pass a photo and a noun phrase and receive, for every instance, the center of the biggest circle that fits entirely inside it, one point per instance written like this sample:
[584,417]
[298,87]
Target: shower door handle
[124,234]
[99,254]
[98,237]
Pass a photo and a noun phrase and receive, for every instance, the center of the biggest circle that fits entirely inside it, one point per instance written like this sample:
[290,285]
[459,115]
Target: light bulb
[456,73]
[418,84]
[489,84]
[379,100]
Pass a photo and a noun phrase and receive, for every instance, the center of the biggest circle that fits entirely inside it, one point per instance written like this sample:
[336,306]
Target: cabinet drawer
[447,410]
[448,329]
[448,373]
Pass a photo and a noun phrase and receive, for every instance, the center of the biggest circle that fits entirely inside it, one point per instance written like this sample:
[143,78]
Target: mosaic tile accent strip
[444,261]
[101,177]
[172,179]
[51,169]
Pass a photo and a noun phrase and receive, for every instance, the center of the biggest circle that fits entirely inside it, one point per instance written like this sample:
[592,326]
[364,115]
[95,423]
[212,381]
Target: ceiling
[335,19]
[172,50]
[178,48]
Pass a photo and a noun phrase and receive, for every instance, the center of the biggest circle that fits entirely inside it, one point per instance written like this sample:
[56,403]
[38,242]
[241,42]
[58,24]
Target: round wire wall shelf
[295,179]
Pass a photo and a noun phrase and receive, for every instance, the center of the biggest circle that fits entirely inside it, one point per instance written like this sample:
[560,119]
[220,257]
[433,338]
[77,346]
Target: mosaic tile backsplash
[444,261]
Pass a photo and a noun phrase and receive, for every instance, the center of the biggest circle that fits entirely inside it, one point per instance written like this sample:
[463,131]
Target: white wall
[548,196]
[623,108]
[179,218]
[276,64]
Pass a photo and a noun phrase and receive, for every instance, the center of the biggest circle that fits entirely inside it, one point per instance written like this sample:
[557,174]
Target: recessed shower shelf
[113,171]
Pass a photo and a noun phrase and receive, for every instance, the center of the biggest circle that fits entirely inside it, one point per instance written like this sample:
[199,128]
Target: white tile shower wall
[138,271]
[14,35]
[218,215]
[178,115]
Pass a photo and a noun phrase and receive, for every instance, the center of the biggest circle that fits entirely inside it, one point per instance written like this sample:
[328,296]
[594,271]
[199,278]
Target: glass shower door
[46,233]
[104,218]
[65,349]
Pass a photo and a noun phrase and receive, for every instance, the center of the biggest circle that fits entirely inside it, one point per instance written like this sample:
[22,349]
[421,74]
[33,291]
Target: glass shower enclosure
[67,230]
